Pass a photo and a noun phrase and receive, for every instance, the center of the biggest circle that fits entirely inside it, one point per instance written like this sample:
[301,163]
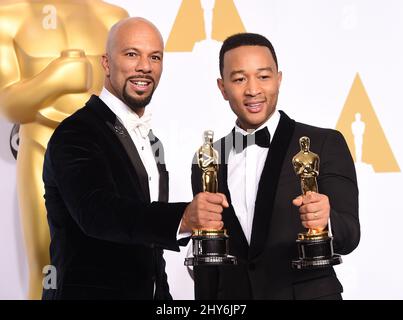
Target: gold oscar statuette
[315,247]
[210,247]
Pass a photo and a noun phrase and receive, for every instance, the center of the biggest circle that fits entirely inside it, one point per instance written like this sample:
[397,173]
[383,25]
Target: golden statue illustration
[376,153]
[49,66]
[208,163]
[198,20]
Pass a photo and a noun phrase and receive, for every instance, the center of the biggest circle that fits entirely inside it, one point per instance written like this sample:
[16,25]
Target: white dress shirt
[244,171]
[143,146]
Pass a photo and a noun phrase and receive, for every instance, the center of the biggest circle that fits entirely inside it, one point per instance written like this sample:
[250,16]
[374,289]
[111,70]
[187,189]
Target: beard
[137,103]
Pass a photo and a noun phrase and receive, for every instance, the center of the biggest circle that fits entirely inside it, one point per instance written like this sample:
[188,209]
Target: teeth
[140,83]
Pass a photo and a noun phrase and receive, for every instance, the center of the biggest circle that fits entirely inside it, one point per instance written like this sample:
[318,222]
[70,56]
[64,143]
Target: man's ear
[280,77]
[105,64]
[220,84]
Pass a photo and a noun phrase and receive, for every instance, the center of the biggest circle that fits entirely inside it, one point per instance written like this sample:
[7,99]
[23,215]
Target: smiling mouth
[254,107]
[140,84]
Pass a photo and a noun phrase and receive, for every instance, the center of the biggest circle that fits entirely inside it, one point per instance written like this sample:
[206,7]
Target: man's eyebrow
[270,69]
[235,72]
[135,49]
[158,52]
[129,48]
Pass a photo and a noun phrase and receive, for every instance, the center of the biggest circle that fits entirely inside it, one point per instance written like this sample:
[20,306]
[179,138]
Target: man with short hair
[106,184]
[267,210]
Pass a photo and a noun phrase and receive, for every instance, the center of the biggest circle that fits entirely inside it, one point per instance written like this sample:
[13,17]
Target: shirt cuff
[181,235]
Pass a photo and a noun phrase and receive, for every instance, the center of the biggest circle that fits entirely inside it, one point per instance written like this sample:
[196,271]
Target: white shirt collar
[271,125]
[119,108]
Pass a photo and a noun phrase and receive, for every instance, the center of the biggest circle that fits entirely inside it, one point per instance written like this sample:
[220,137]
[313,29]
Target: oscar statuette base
[210,248]
[315,251]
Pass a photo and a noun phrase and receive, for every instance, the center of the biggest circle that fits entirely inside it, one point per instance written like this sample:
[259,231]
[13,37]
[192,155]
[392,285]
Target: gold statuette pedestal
[315,247]
[210,247]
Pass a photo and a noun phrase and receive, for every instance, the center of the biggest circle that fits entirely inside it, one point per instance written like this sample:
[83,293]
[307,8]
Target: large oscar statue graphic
[315,247]
[201,21]
[210,247]
[49,66]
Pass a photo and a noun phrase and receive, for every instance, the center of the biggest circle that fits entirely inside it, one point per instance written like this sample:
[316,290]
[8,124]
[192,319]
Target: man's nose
[143,65]
[252,88]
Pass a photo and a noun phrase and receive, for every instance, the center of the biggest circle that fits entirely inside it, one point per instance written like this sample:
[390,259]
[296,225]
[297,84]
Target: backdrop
[342,63]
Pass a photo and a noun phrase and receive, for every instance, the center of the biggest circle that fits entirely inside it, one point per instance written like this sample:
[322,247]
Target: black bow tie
[261,138]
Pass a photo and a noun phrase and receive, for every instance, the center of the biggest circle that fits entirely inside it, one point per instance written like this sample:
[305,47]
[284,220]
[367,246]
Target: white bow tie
[141,125]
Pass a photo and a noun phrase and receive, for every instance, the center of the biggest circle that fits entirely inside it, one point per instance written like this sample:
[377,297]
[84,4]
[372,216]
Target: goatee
[136,103]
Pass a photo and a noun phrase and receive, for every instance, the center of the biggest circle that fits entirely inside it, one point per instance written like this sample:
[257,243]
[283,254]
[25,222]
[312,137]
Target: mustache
[141,76]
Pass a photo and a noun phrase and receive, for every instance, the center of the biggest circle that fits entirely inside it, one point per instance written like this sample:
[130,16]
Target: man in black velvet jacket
[266,210]
[106,185]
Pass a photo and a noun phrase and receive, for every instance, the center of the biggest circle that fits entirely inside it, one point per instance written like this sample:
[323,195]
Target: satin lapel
[268,184]
[131,150]
[231,222]
[158,152]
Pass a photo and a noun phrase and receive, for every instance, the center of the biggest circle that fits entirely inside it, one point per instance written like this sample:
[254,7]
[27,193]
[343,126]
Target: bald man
[106,185]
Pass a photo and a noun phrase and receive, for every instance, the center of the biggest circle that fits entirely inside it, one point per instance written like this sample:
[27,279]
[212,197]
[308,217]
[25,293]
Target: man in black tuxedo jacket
[266,210]
[106,184]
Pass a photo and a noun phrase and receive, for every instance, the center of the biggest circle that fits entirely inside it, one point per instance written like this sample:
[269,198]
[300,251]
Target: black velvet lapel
[268,183]
[121,133]
[131,150]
